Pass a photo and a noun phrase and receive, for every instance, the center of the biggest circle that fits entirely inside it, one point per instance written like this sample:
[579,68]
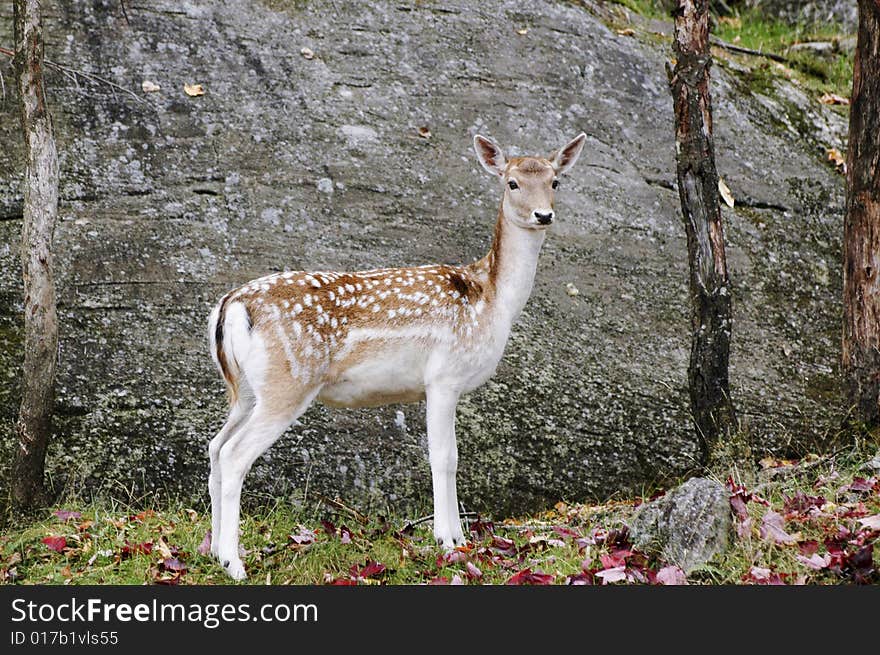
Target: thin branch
[338,504]
[74,73]
[747,51]
[430,517]
[124,12]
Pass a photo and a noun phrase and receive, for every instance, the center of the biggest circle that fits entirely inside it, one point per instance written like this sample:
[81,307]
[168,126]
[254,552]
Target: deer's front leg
[443,455]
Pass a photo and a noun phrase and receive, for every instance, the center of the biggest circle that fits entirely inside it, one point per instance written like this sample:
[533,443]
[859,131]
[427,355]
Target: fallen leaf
[615,574]
[526,576]
[833,99]
[370,569]
[724,190]
[628,31]
[808,547]
[671,575]
[144,548]
[773,528]
[344,535]
[58,544]
[148,86]
[193,515]
[473,572]
[815,561]
[85,525]
[303,537]
[205,547]
[571,289]
[174,564]
[837,158]
[861,485]
[523,31]
[424,132]
[307,53]
[65,514]
[872,522]
[193,90]
[164,550]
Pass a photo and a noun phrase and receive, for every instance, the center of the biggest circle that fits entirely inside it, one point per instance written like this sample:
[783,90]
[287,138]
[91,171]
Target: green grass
[107,543]
[831,73]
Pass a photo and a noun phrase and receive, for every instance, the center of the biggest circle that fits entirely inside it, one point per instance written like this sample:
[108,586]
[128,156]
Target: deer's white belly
[393,373]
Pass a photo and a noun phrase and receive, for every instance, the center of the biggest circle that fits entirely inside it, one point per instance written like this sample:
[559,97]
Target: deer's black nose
[544,218]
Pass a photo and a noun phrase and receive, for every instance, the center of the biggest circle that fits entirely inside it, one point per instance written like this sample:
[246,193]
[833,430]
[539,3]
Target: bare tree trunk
[698,190]
[861,226]
[34,425]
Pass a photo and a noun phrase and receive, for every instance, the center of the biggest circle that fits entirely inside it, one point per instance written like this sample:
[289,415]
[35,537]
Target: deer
[377,337]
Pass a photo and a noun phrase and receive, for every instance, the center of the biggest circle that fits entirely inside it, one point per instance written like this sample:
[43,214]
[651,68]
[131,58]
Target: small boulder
[688,526]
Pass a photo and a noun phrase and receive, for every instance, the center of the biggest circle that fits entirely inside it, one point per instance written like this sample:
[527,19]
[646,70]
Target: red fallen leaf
[144,548]
[578,579]
[141,517]
[565,532]
[527,577]
[808,547]
[597,536]
[473,572]
[861,485]
[65,514]
[174,564]
[452,557]
[342,582]
[671,575]
[205,547]
[502,545]
[772,528]
[860,565]
[440,580]
[801,502]
[618,539]
[615,574]
[738,504]
[329,528]
[614,560]
[482,528]
[815,561]
[763,576]
[344,535]
[58,544]
[368,570]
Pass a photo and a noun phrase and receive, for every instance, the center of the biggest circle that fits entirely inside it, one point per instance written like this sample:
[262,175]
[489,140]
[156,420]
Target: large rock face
[289,163]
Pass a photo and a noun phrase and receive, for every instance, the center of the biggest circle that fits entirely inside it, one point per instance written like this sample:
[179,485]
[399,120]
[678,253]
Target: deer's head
[529,182]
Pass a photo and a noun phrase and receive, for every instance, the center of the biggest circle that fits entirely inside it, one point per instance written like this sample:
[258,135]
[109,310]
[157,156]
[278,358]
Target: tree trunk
[698,190]
[861,226]
[34,425]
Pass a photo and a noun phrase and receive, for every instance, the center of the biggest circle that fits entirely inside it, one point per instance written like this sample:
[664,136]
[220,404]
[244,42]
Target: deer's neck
[512,263]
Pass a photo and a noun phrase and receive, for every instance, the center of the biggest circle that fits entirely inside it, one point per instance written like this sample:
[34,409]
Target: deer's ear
[490,155]
[564,158]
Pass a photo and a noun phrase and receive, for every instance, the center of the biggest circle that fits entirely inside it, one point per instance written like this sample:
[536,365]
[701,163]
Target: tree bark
[711,404]
[861,226]
[34,425]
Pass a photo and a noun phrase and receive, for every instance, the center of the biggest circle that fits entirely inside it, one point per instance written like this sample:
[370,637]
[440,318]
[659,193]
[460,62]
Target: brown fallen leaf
[193,515]
[162,548]
[150,87]
[425,132]
[307,53]
[833,99]
[837,158]
[66,572]
[193,90]
[724,190]
[627,32]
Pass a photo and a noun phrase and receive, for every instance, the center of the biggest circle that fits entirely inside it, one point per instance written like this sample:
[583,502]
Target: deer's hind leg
[272,413]
[238,414]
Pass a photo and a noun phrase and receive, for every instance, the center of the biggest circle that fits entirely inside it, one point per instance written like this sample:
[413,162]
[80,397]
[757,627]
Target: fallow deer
[392,335]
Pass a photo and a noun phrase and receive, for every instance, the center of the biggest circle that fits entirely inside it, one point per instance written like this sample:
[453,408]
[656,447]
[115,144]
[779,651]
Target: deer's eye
[513,185]
[555,184]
